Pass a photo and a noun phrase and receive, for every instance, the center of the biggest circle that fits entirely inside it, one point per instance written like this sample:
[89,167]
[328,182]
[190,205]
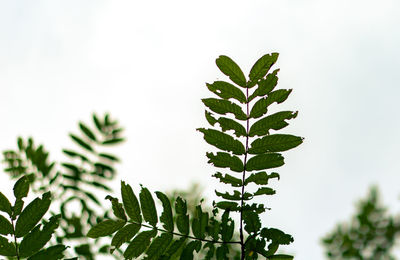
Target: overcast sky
[146,62]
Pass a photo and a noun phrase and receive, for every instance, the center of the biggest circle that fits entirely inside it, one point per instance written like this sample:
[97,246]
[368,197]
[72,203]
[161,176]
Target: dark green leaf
[148,207]
[260,178]
[275,143]
[166,215]
[37,238]
[182,219]
[174,247]
[264,161]
[105,228]
[222,107]
[51,253]
[199,223]
[5,204]
[17,208]
[75,154]
[226,91]
[228,179]
[97,123]
[259,108]
[262,66]
[192,246]
[281,257]
[113,141]
[225,160]
[32,214]
[231,69]
[275,121]
[124,235]
[81,142]
[222,252]
[235,196]
[278,96]
[265,85]
[211,120]
[158,246]
[252,223]
[227,226]
[276,236]
[117,208]
[229,124]
[21,187]
[87,131]
[5,226]
[131,203]
[227,205]
[139,244]
[109,157]
[222,141]
[6,248]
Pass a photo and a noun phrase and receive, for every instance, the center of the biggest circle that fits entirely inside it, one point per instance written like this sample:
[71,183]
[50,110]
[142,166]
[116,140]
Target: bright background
[146,62]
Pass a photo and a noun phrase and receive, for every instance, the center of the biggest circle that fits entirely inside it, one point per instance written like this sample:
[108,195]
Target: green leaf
[235,196]
[274,143]
[281,257]
[226,91]
[222,141]
[148,207]
[229,124]
[262,66]
[51,253]
[264,191]
[5,226]
[227,205]
[264,161]
[228,179]
[6,248]
[225,160]
[222,107]
[222,252]
[182,219]
[276,236]
[131,203]
[278,96]
[97,123]
[124,235]
[105,228]
[139,244]
[109,157]
[37,239]
[5,204]
[192,246]
[113,141]
[75,154]
[252,223]
[227,226]
[231,69]
[81,142]
[275,121]
[260,178]
[266,85]
[210,119]
[199,223]
[174,247]
[87,131]
[17,208]
[166,215]
[21,187]
[158,246]
[117,208]
[32,214]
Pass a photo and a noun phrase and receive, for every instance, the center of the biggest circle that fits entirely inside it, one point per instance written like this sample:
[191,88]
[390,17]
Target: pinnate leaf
[264,161]
[105,228]
[231,69]
[32,214]
[222,141]
[226,90]
[148,207]
[262,66]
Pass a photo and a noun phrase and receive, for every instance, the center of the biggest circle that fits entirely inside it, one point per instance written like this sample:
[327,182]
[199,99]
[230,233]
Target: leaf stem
[244,176]
[15,238]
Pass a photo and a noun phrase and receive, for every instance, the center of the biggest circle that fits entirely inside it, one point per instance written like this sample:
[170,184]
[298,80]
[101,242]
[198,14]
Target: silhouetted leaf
[222,107]
[5,204]
[32,214]
[182,219]
[75,154]
[261,178]
[148,207]
[105,228]
[5,226]
[227,205]
[275,121]
[158,246]
[51,253]
[166,215]
[139,244]
[235,196]
[225,160]
[281,257]
[124,235]
[192,246]
[174,247]
[226,91]
[274,143]
[117,208]
[262,66]
[228,179]
[264,161]
[131,203]
[252,223]
[222,141]
[21,187]
[227,226]
[264,191]
[231,69]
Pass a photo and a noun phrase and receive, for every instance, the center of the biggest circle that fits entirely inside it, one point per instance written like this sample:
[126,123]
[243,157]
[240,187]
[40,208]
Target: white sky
[147,62]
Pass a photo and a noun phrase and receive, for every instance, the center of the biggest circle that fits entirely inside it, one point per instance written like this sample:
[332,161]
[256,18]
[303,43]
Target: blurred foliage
[370,235]
[76,182]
